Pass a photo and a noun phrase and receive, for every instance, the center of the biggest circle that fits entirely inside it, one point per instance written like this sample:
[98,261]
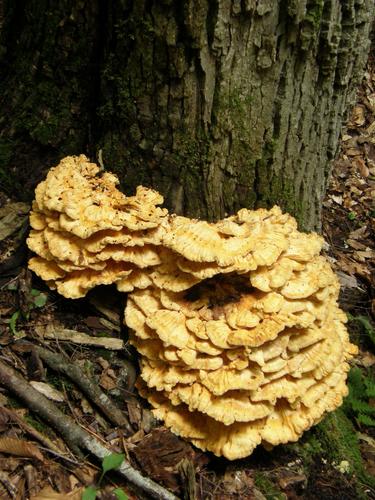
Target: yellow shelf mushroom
[240,337]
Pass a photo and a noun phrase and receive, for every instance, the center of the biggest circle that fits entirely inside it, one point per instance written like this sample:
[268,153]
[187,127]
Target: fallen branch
[75,436]
[52,332]
[91,390]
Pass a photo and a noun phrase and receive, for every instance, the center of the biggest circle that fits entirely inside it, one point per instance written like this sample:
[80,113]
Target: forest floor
[335,459]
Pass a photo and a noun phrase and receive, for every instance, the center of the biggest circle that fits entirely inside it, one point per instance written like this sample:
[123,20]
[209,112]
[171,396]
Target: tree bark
[218,104]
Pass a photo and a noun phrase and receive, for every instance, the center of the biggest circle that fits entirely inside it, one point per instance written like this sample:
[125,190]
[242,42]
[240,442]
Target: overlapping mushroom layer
[86,232]
[237,324]
[229,366]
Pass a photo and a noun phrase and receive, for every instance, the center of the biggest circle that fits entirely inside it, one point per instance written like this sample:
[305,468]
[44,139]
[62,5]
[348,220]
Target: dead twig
[76,437]
[91,390]
[56,333]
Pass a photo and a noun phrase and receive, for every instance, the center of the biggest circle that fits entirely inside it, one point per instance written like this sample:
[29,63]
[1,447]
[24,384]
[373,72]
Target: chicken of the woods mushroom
[240,337]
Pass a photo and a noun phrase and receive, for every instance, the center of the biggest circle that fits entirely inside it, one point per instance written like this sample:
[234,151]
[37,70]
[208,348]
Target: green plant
[13,322]
[366,326]
[267,487]
[36,300]
[110,462]
[361,389]
[338,438]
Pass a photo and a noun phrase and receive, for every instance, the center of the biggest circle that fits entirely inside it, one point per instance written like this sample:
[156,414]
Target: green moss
[189,158]
[338,440]
[311,24]
[267,487]
[59,382]
[314,12]
[334,440]
[277,190]
[37,424]
[14,402]
[46,93]
[307,448]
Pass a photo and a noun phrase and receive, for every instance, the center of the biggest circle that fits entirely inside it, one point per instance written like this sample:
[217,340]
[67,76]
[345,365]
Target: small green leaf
[120,494]
[34,292]
[89,493]
[366,420]
[352,215]
[112,461]
[40,300]
[13,322]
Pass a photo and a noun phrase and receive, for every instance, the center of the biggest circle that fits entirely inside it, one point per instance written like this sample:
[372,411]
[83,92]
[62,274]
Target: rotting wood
[77,438]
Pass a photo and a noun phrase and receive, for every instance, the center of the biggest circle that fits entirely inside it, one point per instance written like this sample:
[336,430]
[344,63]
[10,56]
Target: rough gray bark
[230,104]
[219,104]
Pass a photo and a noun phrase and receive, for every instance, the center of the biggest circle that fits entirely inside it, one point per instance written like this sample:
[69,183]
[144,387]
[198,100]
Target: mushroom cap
[280,361]
[92,231]
[284,423]
[88,203]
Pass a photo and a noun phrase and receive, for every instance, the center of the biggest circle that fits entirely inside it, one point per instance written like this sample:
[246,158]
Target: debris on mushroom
[240,337]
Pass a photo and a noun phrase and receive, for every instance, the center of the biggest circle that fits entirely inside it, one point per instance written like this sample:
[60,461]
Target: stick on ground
[75,436]
[91,390]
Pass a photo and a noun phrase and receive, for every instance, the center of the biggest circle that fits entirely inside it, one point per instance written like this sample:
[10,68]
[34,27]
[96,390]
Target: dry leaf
[86,407]
[48,391]
[358,115]
[20,448]
[352,152]
[7,487]
[358,233]
[366,359]
[12,216]
[107,381]
[368,439]
[361,167]
[48,493]
[356,244]
[346,137]
[347,281]
[371,128]
[367,254]
[337,199]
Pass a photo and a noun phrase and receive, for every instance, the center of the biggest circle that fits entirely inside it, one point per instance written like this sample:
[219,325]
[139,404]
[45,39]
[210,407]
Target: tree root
[92,391]
[75,436]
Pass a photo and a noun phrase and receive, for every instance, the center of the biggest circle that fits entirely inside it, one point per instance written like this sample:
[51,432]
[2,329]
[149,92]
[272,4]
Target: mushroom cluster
[256,351]
[240,337]
[85,232]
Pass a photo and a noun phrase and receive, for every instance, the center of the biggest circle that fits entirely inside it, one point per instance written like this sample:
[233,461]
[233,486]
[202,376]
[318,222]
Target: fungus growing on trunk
[240,337]
[87,233]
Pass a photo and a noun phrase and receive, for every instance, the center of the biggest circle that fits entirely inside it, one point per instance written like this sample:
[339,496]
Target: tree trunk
[217,104]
